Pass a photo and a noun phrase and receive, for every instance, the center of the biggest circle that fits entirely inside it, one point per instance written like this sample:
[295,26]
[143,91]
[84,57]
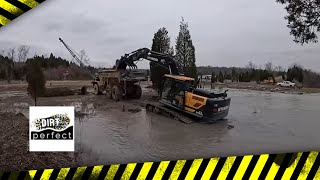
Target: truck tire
[109,92]
[138,92]
[116,93]
[96,89]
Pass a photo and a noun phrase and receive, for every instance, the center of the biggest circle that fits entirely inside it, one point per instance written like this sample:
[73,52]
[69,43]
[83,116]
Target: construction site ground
[109,132]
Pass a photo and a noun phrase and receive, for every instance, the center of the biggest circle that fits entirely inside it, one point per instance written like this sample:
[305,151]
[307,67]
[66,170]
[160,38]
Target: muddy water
[263,123]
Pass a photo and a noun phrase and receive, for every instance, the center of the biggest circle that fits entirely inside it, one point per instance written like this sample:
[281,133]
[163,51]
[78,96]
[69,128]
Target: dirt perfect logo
[51,128]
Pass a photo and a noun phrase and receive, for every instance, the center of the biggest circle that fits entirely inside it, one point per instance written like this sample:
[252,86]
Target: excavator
[178,93]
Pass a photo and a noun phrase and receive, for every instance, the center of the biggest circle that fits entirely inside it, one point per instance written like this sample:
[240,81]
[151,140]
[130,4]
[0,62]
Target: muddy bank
[58,91]
[262,87]
[22,85]
[14,149]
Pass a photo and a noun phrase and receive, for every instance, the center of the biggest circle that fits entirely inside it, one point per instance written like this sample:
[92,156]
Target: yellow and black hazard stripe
[11,9]
[304,165]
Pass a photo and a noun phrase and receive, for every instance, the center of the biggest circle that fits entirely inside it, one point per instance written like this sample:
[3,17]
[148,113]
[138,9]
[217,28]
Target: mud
[109,132]
[14,147]
[58,91]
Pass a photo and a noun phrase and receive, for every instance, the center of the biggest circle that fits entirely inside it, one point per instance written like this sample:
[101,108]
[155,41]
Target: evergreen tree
[171,51]
[185,51]
[241,77]
[2,74]
[213,77]
[247,77]
[36,80]
[234,75]
[295,73]
[161,42]
[220,77]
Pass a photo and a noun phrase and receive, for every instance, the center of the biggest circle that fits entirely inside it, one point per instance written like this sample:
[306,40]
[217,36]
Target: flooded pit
[263,123]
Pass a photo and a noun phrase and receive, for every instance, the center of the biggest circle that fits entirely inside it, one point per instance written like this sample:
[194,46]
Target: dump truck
[122,81]
[118,84]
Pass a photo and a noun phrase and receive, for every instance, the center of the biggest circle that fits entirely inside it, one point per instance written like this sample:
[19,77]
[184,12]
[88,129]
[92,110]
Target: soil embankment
[262,87]
[14,129]
[14,149]
[53,88]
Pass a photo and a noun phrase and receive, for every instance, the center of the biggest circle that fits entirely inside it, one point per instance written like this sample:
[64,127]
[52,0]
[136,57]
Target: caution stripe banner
[11,9]
[303,165]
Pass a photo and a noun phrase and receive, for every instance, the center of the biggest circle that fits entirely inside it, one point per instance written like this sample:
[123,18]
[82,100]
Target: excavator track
[160,109]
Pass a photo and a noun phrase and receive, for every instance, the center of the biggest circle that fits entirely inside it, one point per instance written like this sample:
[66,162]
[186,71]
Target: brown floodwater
[263,123]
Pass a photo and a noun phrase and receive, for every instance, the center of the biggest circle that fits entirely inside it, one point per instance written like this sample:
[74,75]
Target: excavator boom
[164,60]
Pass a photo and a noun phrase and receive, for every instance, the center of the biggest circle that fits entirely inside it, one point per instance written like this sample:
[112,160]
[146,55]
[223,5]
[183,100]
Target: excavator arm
[164,60]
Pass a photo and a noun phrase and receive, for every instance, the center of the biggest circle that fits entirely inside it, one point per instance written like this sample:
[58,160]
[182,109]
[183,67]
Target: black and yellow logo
[55,127]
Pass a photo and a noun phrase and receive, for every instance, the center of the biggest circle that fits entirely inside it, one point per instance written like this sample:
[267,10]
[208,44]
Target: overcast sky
[224,33]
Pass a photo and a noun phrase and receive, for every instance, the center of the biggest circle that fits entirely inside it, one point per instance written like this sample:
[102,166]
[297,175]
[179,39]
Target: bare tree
[278,68]
[268,66]
[84,57]
[251,65]
[12,53]
[23,52]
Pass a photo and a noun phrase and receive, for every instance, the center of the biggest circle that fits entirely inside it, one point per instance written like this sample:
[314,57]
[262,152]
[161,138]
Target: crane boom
[73,54]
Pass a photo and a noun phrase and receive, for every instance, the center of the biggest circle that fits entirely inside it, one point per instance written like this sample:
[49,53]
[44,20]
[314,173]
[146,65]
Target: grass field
[311,90]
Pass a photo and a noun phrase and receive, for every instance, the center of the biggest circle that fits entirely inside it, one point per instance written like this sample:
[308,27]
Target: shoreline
[77,84]
[263,87]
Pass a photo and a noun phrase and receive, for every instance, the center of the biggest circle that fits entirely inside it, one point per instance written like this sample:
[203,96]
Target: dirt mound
[134,110]
[58,91]
[14,149]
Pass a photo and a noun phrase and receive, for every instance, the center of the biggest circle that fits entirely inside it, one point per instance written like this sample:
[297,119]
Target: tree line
[295,73]
[14,65]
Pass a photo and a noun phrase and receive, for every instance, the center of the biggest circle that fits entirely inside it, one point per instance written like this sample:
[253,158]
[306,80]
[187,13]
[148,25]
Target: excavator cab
[178,92]
[174,88]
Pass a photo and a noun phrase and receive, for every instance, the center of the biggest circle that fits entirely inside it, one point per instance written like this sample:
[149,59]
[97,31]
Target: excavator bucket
[156,75]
